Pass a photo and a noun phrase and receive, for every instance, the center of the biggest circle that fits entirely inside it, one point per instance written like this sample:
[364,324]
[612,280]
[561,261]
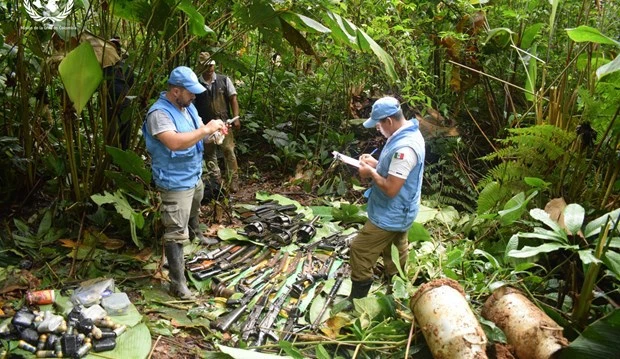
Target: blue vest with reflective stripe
[174,170]
[398,213]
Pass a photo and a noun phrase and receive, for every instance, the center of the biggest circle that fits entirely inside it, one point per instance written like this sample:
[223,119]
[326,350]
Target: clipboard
[346,159]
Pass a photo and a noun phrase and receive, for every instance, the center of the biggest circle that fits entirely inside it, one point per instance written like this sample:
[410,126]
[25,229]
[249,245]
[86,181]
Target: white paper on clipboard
[346,159]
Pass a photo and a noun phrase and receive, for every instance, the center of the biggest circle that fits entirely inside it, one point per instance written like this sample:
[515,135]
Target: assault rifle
[293,316]
[225,287]
[340,244]
[249,327]
[265,327]
[298,289]
[224,322]
[227,263]
[260,277]
[311,246]
[211,255]
[266,211]
[340,275]
[197,264]
[308,277]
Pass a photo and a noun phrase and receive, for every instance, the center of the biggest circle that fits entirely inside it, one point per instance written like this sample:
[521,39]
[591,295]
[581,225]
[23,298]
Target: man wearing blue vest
[174,135]
[393,198]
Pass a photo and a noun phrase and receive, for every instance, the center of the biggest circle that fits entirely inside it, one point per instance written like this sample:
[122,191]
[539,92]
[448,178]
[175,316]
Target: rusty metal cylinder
[41,297]
[531,332]
[449,325]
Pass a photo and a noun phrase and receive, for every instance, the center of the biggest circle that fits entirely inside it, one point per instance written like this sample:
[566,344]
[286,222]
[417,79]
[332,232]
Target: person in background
[219,101]
[174,135]
[119,79]
[393,198]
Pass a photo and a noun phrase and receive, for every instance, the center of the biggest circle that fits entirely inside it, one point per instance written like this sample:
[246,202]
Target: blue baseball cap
[183,76]
[382,108]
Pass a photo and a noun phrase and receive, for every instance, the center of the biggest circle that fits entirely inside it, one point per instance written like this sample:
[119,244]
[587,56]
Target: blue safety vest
[398,213]
[174,170]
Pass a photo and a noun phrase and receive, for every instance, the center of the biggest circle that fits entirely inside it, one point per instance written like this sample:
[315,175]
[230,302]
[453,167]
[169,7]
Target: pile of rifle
[263,283]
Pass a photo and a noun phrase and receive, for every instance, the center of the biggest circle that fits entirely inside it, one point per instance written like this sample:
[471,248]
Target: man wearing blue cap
[393,198]
[174,135]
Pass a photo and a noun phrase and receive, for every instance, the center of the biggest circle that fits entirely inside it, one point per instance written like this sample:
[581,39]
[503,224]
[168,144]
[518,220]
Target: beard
[183,104]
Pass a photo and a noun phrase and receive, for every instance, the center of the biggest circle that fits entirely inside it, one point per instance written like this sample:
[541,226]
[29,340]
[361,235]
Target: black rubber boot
[196,233]
[358,290]
[176,270]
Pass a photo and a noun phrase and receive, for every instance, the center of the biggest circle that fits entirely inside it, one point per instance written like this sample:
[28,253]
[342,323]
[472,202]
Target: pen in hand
[368,155]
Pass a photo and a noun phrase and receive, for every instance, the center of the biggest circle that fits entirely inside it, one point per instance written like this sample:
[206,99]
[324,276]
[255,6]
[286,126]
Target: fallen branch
[154,346]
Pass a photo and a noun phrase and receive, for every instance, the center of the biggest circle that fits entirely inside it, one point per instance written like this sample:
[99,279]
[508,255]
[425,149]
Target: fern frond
[445,183]
[528,152]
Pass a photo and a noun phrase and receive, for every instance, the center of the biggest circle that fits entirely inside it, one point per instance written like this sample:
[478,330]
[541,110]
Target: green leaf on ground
[264,196]
[573,217]
[349,213]
[179,318]
[612,261]
[237,353]
[134,343]
[290,350]
[600,340]
[130,319]
[426,214]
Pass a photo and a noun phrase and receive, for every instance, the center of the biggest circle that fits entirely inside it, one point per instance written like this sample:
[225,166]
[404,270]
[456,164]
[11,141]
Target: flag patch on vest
[399,155]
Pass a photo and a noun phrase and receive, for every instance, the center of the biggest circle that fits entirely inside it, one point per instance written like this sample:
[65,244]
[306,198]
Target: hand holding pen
[368,159]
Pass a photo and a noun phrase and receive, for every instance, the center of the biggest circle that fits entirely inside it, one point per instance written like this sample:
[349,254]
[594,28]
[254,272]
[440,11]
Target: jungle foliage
[532,86]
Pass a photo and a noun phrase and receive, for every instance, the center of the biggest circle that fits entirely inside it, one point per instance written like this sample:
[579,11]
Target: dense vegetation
[533,88]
